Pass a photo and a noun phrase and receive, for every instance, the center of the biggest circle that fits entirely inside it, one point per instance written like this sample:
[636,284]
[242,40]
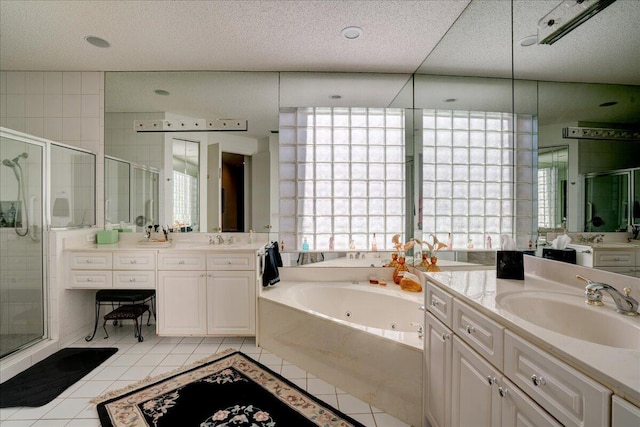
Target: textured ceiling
[243,35]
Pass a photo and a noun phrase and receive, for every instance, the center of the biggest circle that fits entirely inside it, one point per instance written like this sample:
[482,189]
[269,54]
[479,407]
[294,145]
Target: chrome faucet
[625,304]
[220,239]
[230,241]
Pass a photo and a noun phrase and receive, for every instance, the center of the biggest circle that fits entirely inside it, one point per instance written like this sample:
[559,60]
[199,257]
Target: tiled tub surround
[617,369]
[304,319]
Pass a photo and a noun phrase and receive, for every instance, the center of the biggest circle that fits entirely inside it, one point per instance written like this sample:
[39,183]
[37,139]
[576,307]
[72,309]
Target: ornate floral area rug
[228,389]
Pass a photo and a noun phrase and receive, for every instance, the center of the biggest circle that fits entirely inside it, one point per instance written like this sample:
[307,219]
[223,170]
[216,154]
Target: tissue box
[104,237]
[510,265]
[564,255]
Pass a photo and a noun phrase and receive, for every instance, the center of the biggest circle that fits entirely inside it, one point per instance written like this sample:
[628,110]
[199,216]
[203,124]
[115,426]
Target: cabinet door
[182,303]
[519,410]
[231,303]
[623,413]
[474,398]
[437,374]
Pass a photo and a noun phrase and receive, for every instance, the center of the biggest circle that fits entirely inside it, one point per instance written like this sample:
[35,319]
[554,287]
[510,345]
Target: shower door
[22,308]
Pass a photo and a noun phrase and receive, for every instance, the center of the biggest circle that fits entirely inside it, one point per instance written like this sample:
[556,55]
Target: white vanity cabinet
[479,373]
[111,269]
[182,294]
[207,293]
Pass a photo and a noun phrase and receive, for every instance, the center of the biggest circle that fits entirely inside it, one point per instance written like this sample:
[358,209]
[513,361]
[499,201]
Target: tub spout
[420,328]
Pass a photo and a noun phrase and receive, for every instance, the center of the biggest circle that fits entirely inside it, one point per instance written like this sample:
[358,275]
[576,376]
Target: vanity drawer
[480,332]
[440,304]
[90,260]
[134,260]
[89,279]
[614,259]
[181,261]
[231,261]
[568,395]
[124,279]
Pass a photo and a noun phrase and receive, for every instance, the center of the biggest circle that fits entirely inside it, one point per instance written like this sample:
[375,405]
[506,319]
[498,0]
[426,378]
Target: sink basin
[569,315]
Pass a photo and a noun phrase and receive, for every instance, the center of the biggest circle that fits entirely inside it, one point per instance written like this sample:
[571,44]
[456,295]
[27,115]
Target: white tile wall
[123,142]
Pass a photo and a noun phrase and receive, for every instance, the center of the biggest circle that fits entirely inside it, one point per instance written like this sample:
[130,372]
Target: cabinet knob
[435,302]
[229,262]
[133,261]
[537,381]
[181,262]
[470,329]
[503,391]
[421,308]
[132,279]
[446,336]
[492,380]
[89,279]
[88,261]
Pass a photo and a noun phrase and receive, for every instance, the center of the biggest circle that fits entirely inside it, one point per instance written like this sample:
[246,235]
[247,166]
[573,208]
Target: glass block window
[478,176]
[185,196]
[342,177]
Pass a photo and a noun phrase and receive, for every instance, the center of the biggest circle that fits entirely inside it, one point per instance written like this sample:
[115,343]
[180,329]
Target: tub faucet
[625,304]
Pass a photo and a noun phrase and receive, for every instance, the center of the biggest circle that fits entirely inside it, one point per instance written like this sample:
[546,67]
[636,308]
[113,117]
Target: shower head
[9,163]
[12,164]
[23,155]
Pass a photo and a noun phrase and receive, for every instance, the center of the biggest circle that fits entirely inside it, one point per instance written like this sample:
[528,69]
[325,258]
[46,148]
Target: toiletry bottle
[282,246]
[374,244]
[450,242]
[331,243]
[305,245]
[470,244]
[488,242]
[352,245]
[250,236]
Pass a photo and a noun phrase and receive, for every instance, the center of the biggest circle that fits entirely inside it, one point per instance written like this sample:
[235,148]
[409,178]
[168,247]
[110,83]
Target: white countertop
[616,368]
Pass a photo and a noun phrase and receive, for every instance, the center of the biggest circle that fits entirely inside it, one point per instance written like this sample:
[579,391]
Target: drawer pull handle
[89,279]
[229,262]
[88,261]
[435,302]
[470,329]
[181,262]
[503,391]
[537,381]
[446,336]
[132,279]
[492,380]
[133,261]
[421,308]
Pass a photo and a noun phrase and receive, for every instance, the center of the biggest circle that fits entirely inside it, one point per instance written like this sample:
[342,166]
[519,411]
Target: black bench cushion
[124,295]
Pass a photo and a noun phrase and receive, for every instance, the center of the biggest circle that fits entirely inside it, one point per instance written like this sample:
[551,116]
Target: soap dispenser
[374,244]
[305,245]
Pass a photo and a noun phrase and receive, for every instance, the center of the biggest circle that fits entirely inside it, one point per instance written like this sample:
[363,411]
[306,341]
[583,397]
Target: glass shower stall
[22,298]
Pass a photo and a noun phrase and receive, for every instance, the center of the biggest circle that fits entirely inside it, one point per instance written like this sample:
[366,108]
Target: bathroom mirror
[117,192]
[636,198]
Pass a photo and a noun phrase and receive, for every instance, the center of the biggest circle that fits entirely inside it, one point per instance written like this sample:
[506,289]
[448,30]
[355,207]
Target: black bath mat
[45,380]
[228,389]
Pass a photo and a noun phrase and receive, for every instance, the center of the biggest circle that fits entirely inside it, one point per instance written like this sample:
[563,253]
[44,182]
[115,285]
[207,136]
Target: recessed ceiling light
[352,33]
[608,104]
[161,92]
[529,40]
[336,97]
[450,100]
[97,41]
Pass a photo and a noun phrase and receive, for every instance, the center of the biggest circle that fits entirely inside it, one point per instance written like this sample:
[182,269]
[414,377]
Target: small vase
[425,262]
[433,265]
[394,261]
[400,269]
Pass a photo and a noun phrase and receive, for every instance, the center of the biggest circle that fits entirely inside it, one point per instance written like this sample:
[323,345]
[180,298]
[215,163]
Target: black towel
[276,250]
[271,276]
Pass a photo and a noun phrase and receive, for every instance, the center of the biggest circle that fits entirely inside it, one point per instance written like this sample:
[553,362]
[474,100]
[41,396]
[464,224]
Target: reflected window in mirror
[342,177]
[607,202]
[477,176]
[145,189]
[186,155]
[117,192]
[553,165]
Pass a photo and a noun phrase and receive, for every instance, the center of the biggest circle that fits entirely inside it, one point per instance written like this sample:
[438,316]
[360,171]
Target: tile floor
[134,361]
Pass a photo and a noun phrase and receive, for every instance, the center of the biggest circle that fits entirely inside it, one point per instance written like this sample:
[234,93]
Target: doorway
[232,192]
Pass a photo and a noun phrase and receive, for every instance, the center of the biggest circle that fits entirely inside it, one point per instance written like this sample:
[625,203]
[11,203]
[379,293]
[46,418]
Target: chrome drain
[348,314]
[393,326]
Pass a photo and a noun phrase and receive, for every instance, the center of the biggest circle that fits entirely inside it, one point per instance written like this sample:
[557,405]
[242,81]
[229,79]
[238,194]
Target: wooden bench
[128,312]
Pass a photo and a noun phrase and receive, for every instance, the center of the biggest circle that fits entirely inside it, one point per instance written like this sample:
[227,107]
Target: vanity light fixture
[352,33]
[97,41]
[609,134]
[161,92]
[567,16]
[191,125]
